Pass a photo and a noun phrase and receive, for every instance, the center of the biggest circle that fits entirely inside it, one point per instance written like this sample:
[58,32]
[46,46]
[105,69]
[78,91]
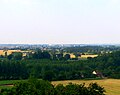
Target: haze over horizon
[59,21]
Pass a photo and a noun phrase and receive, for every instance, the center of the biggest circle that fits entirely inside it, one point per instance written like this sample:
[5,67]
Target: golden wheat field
[86,56]
[112,86]
[83,56]
[2,52]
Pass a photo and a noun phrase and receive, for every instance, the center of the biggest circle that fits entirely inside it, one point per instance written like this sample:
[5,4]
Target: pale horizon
[59,21]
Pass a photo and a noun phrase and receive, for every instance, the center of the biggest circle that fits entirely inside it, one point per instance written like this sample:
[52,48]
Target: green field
[112,86]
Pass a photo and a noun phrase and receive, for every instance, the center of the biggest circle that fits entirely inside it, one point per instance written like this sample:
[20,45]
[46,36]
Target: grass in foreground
[112,86]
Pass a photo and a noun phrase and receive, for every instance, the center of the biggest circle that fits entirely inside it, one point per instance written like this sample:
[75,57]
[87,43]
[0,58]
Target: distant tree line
[91,49]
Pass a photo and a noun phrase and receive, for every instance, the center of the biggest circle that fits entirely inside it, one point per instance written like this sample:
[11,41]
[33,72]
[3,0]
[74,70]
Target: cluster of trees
[15,56]
[108,64]
[41,55]
[41,87]
[13,70]
[37,54]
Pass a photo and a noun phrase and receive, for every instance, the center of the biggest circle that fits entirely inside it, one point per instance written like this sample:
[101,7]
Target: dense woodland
[44,66]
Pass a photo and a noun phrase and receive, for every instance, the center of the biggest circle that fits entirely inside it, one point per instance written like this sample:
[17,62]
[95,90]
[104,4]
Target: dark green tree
[17,55]
[32,87]
[67,56]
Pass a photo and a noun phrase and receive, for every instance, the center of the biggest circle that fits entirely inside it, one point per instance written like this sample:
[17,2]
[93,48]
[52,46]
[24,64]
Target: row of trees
[41,87]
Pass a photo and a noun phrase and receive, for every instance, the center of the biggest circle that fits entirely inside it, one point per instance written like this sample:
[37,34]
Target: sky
[59,21]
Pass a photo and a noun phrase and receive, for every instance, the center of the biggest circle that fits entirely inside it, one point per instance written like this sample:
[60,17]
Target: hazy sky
[60,21]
